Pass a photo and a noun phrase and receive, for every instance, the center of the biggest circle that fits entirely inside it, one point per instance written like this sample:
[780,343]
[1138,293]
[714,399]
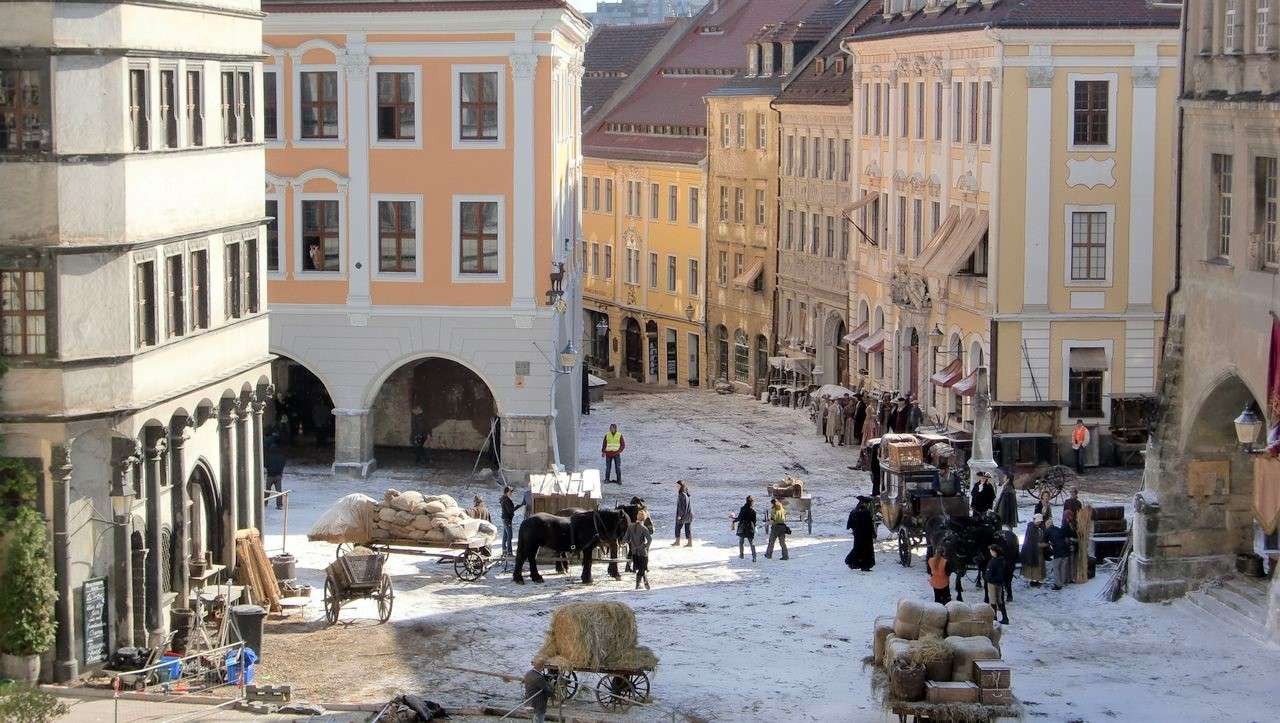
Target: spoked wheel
[331,602]
[342,549]
[904,547]
[616,692]
[1053,481]
[565,685]
[469,566]
[386,598]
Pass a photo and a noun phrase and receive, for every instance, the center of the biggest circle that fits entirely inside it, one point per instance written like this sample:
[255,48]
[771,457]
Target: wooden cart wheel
[469,566]
[342,549]
[1054,481]
[386,598]
[639,686]
[331,602]
[904,547]
[614,692]
[565,685]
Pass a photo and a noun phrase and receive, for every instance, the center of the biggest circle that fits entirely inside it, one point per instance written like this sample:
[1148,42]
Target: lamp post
[1247,426]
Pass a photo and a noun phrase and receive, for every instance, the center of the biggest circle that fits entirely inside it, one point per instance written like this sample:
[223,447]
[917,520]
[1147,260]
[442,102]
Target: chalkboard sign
[94,611]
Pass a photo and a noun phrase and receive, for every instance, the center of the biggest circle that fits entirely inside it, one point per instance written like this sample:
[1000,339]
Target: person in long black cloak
[863,524]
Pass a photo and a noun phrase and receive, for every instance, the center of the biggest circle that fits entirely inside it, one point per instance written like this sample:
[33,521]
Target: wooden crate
[1109,527]
[992,674]
[905,454]
[1108,512]
[936,691]
[995,696]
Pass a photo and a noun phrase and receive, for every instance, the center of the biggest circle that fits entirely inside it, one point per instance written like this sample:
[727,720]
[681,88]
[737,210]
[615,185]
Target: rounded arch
[762,358]
[1212,427]
[864,311]
[313,174]
[315,44]
[431,402]
[371,389]
[741,356]
[722,352]
[633,349]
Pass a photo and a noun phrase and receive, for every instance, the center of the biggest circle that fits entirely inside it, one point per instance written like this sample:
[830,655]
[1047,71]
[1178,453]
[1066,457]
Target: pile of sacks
[413,516]
[967,632]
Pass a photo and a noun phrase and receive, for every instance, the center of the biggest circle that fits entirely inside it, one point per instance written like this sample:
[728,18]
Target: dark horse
[581,531]
[965,543]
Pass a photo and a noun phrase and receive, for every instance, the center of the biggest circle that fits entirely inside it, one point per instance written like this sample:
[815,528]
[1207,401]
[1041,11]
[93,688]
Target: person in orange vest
[611,448]
[939,579]
[1080,440]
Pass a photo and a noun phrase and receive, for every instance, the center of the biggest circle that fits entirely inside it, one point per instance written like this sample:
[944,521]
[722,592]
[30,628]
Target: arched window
[722,352]
[762,359]
[741,356]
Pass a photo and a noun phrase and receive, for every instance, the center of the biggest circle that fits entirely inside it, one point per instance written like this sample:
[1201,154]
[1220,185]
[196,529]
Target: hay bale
[882,630]
[965,650]
[916,619]
[350,519]
[970,619]
[930,652]
[594,635]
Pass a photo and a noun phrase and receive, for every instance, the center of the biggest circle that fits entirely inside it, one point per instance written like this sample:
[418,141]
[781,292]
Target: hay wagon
[598,638]
[471,558]
[912,494]
[356,576]
[617,688]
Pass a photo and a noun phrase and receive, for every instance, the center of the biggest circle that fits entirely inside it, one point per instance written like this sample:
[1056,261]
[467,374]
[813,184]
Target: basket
[357,570]
[906,682]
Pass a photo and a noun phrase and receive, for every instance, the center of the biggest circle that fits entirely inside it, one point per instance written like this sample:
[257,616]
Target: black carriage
[912,496]
[357,575]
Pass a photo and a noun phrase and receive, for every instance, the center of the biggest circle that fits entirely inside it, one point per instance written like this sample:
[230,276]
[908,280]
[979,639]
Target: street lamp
[1247,426]
[602,326]
[568,358]
[120,500]
[935,337]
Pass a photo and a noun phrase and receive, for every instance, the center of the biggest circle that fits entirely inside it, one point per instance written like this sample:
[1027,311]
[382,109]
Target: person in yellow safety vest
[611,450]
[778,529]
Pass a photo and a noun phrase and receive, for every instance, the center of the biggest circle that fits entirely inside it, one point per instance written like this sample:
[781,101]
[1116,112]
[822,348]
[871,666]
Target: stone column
[353,443]
[178,438]
[124,454]
[65,662]
[156,624]
[523,267]
[244,480]
[227,481]
[256,408]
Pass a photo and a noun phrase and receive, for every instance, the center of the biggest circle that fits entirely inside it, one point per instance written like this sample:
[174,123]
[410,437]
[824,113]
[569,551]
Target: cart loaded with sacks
[597,638]
[357,575]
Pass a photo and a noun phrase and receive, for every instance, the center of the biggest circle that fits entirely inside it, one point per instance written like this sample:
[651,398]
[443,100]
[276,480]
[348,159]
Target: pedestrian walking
[982,496]
[745,526]
[538,688]
[915,415]
[997,577]
[684,514]
[1033,552]
[611,449]
[863,526]
[847,435]
[778,529]
[871,426]
[1006,503]
[509,508]
[834,423]
[939,580]
[638,540]
[1079,441]
[478,510]
[860,419]
[273,463]
[1057,554]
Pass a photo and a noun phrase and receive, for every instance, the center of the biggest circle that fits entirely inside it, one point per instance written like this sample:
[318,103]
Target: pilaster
[256,408]
[125,454]
[1142,188]
[178,438]
[157,625]
[355,68]
[65,663]
[227,419]
[524,71]
[1035,280]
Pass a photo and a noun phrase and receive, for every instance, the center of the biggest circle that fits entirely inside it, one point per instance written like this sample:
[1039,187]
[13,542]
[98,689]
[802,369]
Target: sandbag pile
[594,636]
[415,517]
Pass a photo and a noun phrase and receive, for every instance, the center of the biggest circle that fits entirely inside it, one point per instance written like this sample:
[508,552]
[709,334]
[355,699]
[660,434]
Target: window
[935,215]
[653,270]
[737,265]
[722,268]
[631,198]
[396,110]
[397,236]
[320,235]
[803,165]
[866,109]
[847,163]
[693,205]
[741,356]
[693,347]
[917,226]
[1088,246]
[139,122]
[876,107]
[195,108]
[724,204]
[145,303]
[169,107]
[608,195]
[1220,217]
[803,235]
[760,207]
[742,131]
[608,261]
[595,259]
[693,277]
[270,102]
[1085,394]
[957,120]
[1264,208]
[973,112]
[200,289]
[227,105]
[272,212]
[920,109]
[831,236]
[831,158]
[1262,26]
[844,238]
[233,282]
[986,112]
[22,312]
[671,274]
[244,105]
[318,104]
[673,203]
[815,228]
[817,157]
[875,220]
[251,275]
[595,194]
[586,194]
[1091,124]
[937,110]
[790,229]
[478,237]
[886,110]
[739,206]
[724,130]
[902,225]
[24,109]
[761,138]
[789,155]
[177,292]
[237,107]
[478,106]
[654,190]
[1230,16]
[904,123]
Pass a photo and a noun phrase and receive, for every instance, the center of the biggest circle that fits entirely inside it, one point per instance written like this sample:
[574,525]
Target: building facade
[422,166]
[814,234]
[1196,510]
[1007,156]
[132,256]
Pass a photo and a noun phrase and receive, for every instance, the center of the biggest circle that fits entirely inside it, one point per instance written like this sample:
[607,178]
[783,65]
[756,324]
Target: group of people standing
[1049,548]
[851,420]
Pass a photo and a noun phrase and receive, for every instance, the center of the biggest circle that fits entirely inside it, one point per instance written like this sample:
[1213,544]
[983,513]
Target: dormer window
[821,65]
[840,65]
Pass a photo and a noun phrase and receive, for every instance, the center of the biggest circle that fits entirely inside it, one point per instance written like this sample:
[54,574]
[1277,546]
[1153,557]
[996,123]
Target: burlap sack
[938,669]
[969,619]
[350,519]
[965,650]
[882,630]
[435,507]
[916,619]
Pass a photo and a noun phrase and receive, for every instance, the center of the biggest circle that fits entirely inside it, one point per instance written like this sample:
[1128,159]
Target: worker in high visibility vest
[611,449]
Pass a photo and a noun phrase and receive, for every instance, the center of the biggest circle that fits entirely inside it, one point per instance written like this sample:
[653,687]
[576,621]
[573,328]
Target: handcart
[356,576]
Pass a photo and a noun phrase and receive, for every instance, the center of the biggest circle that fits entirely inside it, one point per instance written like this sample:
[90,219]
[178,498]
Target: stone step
[1250,589]
[1205,605]
[1239,603]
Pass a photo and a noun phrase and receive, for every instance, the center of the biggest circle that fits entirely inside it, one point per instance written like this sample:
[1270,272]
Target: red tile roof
[830,87]
[1027,14]
[407,6]
[612,55]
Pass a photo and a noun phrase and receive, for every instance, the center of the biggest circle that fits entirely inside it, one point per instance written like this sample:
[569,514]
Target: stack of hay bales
[431,519]
[594,636]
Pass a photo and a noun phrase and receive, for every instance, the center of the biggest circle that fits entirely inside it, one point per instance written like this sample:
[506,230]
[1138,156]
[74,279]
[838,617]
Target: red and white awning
[968,386]
[948,375]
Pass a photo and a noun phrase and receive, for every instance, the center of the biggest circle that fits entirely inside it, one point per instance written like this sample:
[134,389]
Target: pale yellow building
[1007,195]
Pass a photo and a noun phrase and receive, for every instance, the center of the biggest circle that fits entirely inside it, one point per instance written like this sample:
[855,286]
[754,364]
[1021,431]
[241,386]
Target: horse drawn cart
[471,558]
[911,495]
[357,575]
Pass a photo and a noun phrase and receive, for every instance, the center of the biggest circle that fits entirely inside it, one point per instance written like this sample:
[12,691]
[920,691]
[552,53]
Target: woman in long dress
[863,525]
[1033,552]
[833,423]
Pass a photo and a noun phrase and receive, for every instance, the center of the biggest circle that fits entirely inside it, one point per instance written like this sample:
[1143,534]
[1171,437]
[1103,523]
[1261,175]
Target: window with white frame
[673,203]
[144,279]
[986,112]
[633,266]
[595,194]
[479,101]
[789,231]
[199,286]
[653,270]
[957,116]
[396,117]
[724,204]
[694,279]
[194,116]
[169,107]
[232,281]
[724,130]
[1091,113]
[272,213]
[139,109]
[271,104]
[397,236]
[937,110]
[844,238]
[973,111]
[722,268]
[815,231]
[847,161]
[1230,29]
[694,211]
[920,109]
[831,158]
[739,206]
[760,207]
[1220,199]
[608,195]
[479,225]
[1088,246]
[608,261]
[595,259]
[237,106]
[917,226]
[654,191]
[671,274]
[761,132]
[1265,207]
[320,236]
[23,314]
[1262,26]
[788,156]
[831,236]
[318,105]
[904,125]
[817,157]
[742,130]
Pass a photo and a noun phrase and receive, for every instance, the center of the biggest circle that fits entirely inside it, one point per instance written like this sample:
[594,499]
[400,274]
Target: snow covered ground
[740,641]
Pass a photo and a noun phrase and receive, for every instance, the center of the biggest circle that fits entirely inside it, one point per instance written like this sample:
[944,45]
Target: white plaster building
[134,313]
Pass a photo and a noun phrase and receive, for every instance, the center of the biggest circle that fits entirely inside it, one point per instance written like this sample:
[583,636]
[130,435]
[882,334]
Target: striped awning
[948,375]
[858,334]
[873,343]
[968,386]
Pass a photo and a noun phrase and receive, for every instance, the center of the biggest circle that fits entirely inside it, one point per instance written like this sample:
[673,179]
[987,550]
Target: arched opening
[301,415]
[762,361]
[842,353]
[435,412]
[1213,429]
[204,516]
[741,357]
[598,332]
[722,353]
[864,317]
[633,350]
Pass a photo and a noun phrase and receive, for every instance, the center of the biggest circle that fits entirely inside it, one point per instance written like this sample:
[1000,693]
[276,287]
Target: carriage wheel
[1054,481]
[565,685]
[386,598]
[342,549]
[331,601]
[469,566]
[904,547]
[616,692]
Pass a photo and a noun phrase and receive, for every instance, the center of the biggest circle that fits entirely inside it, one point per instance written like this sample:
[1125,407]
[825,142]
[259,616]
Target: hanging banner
[1273,388]
[1266,492]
